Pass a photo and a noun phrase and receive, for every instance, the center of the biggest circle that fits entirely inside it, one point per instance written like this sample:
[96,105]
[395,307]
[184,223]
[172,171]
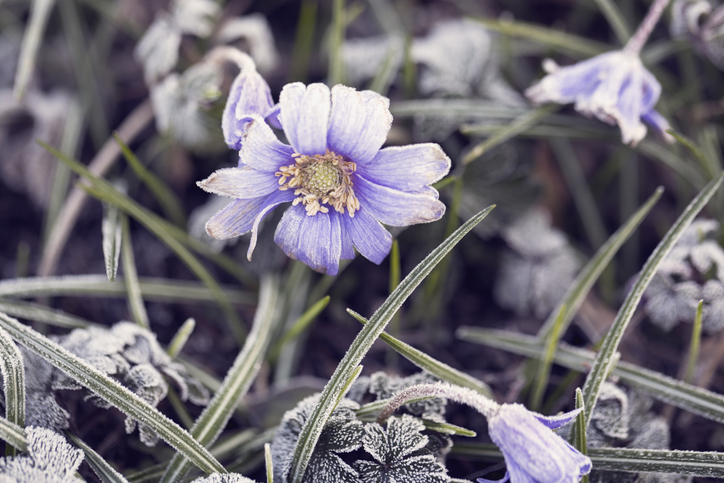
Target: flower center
[321,179]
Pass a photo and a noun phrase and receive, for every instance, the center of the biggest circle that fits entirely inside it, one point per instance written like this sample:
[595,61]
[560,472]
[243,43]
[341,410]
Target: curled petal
[359,123]
[235,219]
[305,116]
[372,240]
[244,183]
[262,150]
[271,202]
[398,208]
[555,422]
[407,168]
[313,240]
[249,94]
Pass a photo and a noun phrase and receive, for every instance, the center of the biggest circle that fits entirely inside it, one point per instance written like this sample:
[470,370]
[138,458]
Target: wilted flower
[615,87]
[342,185]
[534,453]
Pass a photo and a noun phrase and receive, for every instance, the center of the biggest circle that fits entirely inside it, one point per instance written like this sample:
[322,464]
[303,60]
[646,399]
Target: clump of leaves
[535,274]
[50,458]
[693,271]
[133,356]
[223,478]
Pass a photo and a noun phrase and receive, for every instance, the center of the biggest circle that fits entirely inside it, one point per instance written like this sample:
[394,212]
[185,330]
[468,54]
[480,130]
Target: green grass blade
[333,391]
[41,313]
[574,45]
[169,202]
[544,367]
[299,325]
[179,340]
[579,430]
[336,72]
[158,229]
[385,74]
[111,391]
[607,355]
[680,394]
[616,20]
[462,108]
[589,274]
[39,13]
[13,434]
[268,463]
[237,381]
[13,371]
[429,364]
[158,289]
[112,235]
[693,354]
[100,467]
[519,125]
[135,299]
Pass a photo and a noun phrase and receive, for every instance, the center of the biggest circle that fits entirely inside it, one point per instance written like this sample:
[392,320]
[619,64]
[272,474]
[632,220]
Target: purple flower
[533,453]
[615,87]
[341,184]
[249,94]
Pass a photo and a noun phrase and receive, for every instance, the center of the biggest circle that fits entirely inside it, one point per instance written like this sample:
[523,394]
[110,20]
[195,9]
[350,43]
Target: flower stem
[637,41]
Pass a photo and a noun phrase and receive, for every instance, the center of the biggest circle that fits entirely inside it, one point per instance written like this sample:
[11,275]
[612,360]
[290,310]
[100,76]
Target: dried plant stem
[636,43]
[106,157]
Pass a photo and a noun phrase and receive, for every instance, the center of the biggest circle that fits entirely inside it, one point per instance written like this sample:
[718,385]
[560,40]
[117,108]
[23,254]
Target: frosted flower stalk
[614,87]
[340,182]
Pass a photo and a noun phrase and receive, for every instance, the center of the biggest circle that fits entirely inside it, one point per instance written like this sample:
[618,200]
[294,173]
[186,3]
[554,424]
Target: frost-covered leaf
[41,408]
[223,478]
[341,434]
[534,277]
[667,303]
[111,229]
[611,417]
[363,57]
[399,454]
[253,31]
[195,17]
[50,459]
[157,51]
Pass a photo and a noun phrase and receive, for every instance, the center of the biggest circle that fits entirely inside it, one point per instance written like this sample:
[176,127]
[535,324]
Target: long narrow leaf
[13,434]
[333,391]
[237,381]
[31,43]
[429,364]
[112,236]
[100,467]
[135,299]
[158,289]
[111,391]
[13,371]
[41,313]
[685,396]
[607,355]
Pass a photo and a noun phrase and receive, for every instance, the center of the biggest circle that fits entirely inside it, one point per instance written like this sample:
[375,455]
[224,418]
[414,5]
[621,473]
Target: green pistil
[321,179]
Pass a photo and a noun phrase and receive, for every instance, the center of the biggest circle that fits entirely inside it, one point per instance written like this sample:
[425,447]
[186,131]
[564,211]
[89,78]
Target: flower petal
[358,124]
[555,422]
[372,240]
[659,123]
[398,208]
[234,219]
[313,240]
[249,94]
[272,201]
[347,245]
[407,168]
[305,116]
[244,183]
[263,151]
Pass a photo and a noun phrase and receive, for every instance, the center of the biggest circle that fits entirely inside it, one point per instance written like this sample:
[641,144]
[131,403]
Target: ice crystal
[341,434]
[399,454]
[223,478]
[133,356]
[534,277]
[50,459]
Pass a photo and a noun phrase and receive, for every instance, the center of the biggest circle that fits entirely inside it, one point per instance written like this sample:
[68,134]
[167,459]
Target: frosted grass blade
[135,300]
[110,390]
[429,364]
[179,340]
[680,394]
[31,43]
[216,415]
[100,467]
[13,434]
[112,235]
[335,388]
[606,356]
[41,313]
[13,371]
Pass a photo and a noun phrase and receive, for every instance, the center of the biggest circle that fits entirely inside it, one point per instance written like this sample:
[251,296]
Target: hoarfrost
[50,459]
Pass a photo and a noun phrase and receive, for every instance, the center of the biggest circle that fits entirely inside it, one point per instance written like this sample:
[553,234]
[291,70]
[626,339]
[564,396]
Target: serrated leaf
[112,235]
[111,391]
[606,358]
[333,391]
[237,381]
